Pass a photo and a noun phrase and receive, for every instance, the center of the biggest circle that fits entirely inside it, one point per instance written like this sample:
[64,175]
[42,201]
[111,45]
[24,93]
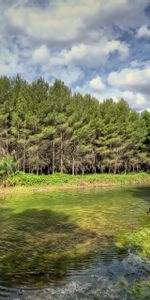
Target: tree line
[50,129]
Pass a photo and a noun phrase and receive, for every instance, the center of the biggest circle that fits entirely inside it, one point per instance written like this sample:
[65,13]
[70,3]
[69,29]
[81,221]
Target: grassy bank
[26,182]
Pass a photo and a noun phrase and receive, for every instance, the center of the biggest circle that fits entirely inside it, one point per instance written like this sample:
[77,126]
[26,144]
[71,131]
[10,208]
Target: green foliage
[49,129]
[140,241]
[7,167]
[59,179]
[24,179]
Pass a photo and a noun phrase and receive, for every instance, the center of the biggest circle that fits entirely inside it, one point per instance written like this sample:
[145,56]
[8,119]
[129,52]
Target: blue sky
[95,46]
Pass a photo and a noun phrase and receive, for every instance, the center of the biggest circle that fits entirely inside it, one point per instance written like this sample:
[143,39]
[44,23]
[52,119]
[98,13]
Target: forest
[49,129]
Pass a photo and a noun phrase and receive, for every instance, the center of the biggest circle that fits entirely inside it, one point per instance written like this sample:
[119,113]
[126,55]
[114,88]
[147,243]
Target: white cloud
[89,55]
[15,61]
[137,80]
[41,55]
[143,31]
[67,20]
[68,74]
[96,84]
[132,84]
[139,64]
[95,54]
[9,61]
[59,22]
[95,87]
[136,100]
[67,38]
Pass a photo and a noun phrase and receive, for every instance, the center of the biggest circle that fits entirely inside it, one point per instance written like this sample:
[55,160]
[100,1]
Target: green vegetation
[44,235]
[58,179]
[49,129]
[140,240]
[7,167]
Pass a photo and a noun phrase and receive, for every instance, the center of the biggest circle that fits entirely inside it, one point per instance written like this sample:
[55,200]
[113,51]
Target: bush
[7,167]
[25,179]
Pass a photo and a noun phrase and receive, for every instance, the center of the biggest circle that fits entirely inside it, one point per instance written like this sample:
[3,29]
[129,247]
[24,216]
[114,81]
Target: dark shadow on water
[40,246]
[43,221]
[143,193]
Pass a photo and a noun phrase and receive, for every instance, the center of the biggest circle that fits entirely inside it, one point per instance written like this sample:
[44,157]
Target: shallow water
[79,244]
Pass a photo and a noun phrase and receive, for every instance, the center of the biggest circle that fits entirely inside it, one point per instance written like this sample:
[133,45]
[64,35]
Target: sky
[101,47]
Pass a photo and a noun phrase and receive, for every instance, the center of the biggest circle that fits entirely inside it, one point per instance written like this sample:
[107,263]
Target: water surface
[78,244]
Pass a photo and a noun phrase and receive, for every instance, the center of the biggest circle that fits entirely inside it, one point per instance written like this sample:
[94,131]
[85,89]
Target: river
[76,244]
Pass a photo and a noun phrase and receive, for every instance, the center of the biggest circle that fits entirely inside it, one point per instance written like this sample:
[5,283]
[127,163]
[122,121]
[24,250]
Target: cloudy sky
[100,47]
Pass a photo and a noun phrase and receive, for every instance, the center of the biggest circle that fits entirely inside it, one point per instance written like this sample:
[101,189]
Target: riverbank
[26,183]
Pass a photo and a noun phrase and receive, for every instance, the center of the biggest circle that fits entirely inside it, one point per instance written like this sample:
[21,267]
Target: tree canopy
[50,129]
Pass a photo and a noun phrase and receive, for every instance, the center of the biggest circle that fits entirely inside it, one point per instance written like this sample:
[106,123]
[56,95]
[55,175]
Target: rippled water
[79,244]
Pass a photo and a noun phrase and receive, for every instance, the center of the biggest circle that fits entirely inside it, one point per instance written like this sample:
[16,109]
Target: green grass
[58,179]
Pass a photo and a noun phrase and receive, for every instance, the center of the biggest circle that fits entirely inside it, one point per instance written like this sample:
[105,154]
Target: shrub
[7,167]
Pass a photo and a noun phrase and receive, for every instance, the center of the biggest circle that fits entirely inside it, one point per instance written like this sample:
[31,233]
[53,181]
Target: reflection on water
[92,244]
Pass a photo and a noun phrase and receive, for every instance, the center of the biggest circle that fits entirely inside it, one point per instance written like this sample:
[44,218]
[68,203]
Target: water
[79,244]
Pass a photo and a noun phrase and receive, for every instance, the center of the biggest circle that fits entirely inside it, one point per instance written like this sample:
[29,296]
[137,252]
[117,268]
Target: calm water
[87,244]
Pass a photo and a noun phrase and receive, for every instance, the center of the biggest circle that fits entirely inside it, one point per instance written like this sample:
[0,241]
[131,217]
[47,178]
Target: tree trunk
[61,153]
[24,156]
[37,164]
[53,158]
[73,164]
[93,167]
[115,167]
[7,140]
[18,166]
[76,169]
[17,158]
[125,168]
[133,168]
[82,170]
